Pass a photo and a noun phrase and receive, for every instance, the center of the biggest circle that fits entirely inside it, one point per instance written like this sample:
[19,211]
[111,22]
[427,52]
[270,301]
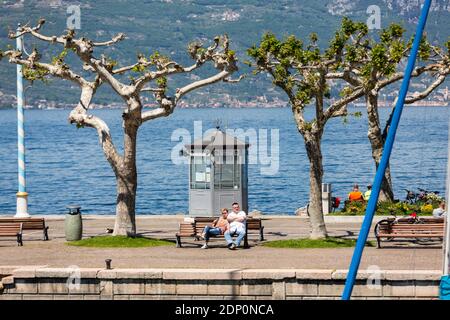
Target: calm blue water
[65,165]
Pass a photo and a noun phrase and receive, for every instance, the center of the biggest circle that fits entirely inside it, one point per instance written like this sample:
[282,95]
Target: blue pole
[22,195]
[371,206]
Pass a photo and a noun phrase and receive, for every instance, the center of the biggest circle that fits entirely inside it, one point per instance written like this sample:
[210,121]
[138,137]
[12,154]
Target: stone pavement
[55,253]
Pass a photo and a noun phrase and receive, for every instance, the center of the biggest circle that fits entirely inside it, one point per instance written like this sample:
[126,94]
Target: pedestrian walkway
[55,253]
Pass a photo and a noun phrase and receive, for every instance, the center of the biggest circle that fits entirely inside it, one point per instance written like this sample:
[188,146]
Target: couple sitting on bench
[227,224]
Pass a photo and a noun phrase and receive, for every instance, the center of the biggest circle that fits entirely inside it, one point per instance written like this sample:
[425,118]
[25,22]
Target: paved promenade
[55,253]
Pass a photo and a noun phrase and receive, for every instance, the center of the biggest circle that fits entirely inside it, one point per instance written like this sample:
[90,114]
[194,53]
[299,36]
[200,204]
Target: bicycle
[411,197]
[427,196]
[413,218]
[386,223]
[423,196]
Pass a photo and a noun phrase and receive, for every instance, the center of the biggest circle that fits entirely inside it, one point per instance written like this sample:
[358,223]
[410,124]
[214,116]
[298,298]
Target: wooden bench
[29,224]
[12,230]
[404,230]
[195,229]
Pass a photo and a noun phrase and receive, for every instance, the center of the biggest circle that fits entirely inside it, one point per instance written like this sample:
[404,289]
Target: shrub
[386,208]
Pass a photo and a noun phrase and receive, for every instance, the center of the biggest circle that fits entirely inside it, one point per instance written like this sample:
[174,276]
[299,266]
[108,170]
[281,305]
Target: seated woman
[355,195]
[219,226]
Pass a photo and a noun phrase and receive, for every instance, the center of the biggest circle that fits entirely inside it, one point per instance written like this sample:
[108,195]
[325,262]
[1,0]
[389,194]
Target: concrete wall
[52,283]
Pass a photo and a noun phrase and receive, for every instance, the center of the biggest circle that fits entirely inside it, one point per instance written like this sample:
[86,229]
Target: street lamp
[22,195]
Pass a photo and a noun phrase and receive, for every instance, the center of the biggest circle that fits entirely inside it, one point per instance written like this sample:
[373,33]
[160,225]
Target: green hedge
[355,208]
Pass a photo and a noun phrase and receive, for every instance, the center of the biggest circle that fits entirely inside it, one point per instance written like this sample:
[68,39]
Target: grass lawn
[329,242]
[119,242]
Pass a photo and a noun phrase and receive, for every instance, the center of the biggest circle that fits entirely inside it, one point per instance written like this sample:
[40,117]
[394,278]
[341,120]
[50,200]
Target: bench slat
[27,223]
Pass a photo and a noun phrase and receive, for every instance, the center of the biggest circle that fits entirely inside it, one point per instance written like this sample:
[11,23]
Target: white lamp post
[22,195]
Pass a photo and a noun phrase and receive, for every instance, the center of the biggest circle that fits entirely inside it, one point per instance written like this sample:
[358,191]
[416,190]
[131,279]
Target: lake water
[65,165]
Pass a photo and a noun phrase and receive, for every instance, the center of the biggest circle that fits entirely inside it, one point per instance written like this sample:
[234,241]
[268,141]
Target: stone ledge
[314,274]
[362,275]
[53,272]
[9,270]
[130,274]
[274,274]
[202,274]
[433,275]
[24,272]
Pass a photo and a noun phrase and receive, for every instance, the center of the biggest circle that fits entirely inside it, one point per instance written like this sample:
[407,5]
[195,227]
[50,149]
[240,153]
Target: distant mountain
[169,25]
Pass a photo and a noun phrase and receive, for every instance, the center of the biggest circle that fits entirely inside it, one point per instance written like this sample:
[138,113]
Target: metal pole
[446,246]
[22,195]
[376,186]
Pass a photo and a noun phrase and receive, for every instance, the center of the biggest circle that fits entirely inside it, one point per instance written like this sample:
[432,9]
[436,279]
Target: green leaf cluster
[162,82]
[283,58]
[59,59]
[424,49]
[35,73]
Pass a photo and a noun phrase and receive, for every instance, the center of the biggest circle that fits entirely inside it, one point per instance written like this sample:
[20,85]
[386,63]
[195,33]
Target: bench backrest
[28,223]
[187,229]
[202,222]
[254,223]
[420,228]
[432,220]
[10,229]
[422,220]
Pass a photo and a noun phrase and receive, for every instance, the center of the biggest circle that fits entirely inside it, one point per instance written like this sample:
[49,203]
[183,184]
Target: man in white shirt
[439,212]
[237,220]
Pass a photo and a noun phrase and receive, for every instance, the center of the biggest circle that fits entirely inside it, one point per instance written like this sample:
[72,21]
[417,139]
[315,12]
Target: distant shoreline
[440,105]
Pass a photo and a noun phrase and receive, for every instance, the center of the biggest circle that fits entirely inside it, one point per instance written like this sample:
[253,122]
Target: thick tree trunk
[377,140]
[125,224]
[126,177]
[313,148]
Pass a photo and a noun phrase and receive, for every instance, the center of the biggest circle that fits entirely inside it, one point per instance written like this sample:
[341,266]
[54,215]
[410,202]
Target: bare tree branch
[220,59]
[335,109]
[345,75]
[160,90]
[200,83]
[60,71]
[153,114]
[234,80]
[399,75]
[116,39]
[422,95]
[83,48]
[80,116]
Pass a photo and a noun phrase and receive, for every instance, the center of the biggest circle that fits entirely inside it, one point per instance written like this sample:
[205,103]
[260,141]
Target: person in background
[219,226]
[355,195]
[237,219]
[440,211]
[368,192]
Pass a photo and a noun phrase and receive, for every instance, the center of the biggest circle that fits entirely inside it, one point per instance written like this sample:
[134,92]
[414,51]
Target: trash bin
[73,225]
[326,198]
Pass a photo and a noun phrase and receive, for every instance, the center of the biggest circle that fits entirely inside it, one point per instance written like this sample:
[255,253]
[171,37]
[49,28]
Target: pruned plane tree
[98,69]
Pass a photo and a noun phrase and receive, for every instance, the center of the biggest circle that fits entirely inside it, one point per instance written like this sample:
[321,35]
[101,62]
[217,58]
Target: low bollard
[326,198]
[73,224]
